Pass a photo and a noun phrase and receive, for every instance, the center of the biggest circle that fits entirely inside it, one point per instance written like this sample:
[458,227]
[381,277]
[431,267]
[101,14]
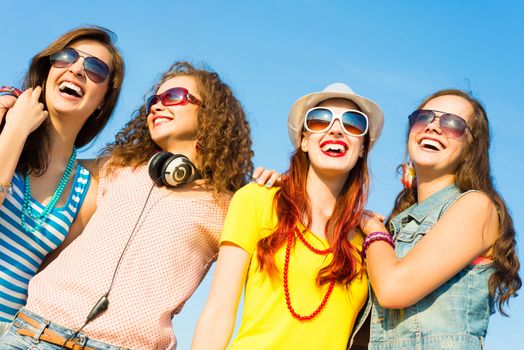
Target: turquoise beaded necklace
[41,218]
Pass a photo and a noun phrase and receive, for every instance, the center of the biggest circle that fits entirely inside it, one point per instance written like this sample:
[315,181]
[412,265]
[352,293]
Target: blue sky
[273,52]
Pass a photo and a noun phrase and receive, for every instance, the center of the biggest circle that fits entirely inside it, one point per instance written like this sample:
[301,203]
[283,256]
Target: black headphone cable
[103,303]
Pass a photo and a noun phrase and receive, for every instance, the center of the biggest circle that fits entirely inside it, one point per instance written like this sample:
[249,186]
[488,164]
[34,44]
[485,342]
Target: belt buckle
[76,343]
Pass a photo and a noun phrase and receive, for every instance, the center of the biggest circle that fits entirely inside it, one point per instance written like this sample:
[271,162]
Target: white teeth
[334,147]
[74,87]
[431,144]
[159,121]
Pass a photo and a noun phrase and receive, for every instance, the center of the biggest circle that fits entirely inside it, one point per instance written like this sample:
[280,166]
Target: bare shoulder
[478,211]
[475,202]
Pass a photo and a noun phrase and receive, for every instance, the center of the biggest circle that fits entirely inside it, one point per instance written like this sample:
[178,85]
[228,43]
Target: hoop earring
[99,114]
[408,178]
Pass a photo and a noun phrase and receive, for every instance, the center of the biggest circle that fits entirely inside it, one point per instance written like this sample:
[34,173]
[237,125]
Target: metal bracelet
[6,188]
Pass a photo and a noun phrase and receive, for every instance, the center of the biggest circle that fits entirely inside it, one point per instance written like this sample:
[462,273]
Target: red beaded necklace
[286,283]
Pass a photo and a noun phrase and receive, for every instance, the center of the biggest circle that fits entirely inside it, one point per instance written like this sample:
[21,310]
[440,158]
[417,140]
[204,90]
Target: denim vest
[455,315]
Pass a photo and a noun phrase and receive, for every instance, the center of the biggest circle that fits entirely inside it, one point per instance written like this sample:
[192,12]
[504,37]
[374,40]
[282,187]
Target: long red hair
[292,206]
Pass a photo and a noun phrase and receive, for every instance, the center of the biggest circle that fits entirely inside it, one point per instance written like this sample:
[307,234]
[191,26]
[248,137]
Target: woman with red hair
[296,248]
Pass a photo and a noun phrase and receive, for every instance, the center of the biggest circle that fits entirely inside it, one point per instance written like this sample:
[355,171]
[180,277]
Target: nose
[434,125]
[156,106]
[336,127]
[77,68]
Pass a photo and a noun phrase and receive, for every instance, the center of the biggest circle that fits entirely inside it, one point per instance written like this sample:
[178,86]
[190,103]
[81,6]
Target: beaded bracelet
[10,91]
[6,188]
[375,237]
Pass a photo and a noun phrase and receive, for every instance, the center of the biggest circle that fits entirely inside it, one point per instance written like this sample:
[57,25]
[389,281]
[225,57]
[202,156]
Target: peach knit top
[175,242]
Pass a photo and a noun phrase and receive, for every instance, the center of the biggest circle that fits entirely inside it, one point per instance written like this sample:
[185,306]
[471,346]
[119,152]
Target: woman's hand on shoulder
[372,222]
[27,113]
[266,177]
[468,229]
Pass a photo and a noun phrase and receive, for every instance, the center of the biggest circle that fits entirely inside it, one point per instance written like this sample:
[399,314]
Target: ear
[361,154]
[304,141]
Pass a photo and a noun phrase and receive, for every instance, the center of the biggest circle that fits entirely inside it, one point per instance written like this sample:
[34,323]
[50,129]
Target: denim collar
[419,211]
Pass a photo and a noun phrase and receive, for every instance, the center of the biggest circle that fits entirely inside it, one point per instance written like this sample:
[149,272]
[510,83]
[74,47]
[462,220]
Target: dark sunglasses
[172,97]
[451,125]
[95,68]
[320,119]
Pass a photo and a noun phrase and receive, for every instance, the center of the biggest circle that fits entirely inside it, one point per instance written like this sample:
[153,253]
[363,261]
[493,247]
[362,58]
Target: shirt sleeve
[246,217]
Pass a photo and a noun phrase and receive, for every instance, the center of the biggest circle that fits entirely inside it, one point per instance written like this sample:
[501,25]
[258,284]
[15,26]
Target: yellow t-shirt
[266,321]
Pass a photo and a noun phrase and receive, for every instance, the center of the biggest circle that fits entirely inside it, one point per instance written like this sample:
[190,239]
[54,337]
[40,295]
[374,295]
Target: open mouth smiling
[334,148]
[159,120]
[71,89]
[431,144]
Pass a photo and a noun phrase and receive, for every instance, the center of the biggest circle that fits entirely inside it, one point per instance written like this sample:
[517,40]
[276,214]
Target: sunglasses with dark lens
[320,119]
[451,125]
[95,68]
[172,97]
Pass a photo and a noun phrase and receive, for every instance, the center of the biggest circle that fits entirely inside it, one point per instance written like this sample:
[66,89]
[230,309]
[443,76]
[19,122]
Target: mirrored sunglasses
[95,68]
[320,119]
[451,125]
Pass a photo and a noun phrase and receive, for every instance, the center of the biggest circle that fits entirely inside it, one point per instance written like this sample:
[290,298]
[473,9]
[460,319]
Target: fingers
[372,214]
[27,112]
[7,101]
[262,176]
[257,172]
[31,93]
[265,177]
[273,179]
[36,93]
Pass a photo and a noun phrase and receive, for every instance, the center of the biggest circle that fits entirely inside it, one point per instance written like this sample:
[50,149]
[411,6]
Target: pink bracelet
[9,90]
[375,237]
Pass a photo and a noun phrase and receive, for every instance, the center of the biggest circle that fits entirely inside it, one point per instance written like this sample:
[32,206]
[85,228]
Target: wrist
[6,187]
[15,131]
[375,237]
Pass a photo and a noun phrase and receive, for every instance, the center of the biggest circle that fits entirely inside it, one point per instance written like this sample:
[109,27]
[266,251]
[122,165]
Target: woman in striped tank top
[70,91]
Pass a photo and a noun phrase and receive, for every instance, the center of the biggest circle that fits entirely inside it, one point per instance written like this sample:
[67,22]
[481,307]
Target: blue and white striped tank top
[21,253]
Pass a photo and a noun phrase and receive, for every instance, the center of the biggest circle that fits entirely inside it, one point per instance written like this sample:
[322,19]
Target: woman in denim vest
[454,242]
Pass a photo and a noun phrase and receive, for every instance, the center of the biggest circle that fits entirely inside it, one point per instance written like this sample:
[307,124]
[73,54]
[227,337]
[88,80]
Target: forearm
[11,146]
[217,322]
[388,276]
[214,330]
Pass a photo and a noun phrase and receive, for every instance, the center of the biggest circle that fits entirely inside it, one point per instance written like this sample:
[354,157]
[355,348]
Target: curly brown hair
[36,152]
[474,173]
[223,134]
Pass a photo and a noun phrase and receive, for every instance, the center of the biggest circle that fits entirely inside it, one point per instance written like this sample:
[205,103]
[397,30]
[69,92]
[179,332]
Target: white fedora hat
[337,90]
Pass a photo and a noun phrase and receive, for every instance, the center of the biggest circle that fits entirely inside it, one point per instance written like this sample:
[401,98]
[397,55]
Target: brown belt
[49,336]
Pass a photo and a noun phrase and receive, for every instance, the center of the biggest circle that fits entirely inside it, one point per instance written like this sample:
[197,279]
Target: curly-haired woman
[454,257]
[70,91]
[147,247]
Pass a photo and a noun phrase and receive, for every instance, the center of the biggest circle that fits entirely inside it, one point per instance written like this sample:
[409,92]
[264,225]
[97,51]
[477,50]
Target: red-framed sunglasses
[451,125]
[173,97]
